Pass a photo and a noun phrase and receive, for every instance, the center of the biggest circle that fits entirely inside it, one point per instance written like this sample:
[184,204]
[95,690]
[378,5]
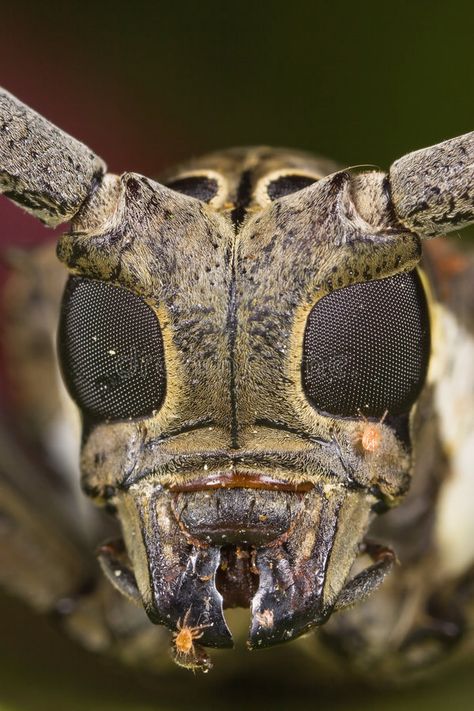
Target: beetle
[265,361]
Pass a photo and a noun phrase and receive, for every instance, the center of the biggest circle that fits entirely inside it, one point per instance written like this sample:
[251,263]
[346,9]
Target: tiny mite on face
[371,435]
[266,355]
[186,652]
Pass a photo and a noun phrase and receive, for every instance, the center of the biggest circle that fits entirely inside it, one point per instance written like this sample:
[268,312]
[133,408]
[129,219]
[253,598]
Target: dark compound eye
[196,186]
[366,347]
[287,184]
[111,351]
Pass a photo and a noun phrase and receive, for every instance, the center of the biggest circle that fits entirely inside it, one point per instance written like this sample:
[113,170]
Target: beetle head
[218,335]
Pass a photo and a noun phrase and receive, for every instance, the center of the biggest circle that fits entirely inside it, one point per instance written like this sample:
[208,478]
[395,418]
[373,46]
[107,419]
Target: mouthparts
[243,540]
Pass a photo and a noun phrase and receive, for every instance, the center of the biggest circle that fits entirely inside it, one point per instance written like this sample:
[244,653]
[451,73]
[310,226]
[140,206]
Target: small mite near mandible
[261,369]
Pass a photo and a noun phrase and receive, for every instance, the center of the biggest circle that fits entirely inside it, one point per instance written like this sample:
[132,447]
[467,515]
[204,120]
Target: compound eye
[366,348]
[200,187]
[287,184]
[110,350]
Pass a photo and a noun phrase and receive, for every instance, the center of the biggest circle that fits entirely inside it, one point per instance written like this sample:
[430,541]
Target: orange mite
[184,638]
[371,435]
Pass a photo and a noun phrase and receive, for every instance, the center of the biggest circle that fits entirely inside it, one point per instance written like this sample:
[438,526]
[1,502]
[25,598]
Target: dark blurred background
[146,84]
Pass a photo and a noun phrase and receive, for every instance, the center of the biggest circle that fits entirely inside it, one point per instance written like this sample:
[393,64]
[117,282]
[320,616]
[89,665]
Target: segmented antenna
[43,169]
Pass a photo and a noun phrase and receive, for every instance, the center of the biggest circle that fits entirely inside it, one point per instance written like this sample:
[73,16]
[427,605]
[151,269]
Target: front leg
[45,562]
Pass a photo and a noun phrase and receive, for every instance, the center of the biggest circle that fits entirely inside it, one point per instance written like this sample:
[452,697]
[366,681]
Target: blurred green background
[149,83]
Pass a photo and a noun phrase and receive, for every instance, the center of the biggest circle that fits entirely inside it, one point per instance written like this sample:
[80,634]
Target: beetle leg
[44,170]
[363,584]
[44,562]
[116,566]
[443,627]
[38,534]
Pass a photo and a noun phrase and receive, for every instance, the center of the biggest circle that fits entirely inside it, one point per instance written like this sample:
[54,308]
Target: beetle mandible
[264,359]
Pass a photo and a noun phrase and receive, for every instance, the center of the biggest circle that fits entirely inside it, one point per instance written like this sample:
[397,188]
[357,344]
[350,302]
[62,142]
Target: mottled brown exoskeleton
[264,360]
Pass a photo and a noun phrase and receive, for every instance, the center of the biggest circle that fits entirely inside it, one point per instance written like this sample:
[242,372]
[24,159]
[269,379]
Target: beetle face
[234,340]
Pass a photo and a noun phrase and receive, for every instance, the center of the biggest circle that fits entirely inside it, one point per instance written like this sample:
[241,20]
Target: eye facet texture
[196,186]
[287,184]
[111,351]
[366,348]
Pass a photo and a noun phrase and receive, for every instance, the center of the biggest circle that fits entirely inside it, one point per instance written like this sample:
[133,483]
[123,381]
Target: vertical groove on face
[232,334]
[243,199]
